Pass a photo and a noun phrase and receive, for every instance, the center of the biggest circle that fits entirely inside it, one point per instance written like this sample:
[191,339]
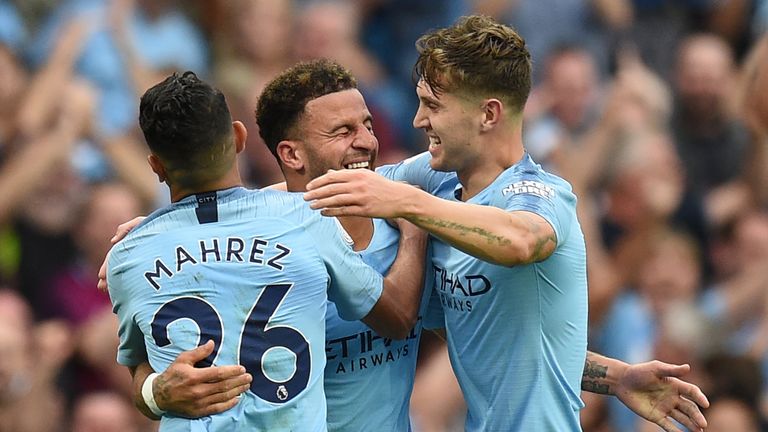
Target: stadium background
[655,110]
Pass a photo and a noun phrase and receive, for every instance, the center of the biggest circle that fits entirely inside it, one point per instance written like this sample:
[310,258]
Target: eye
[343,131]
[430,105]
[369,126]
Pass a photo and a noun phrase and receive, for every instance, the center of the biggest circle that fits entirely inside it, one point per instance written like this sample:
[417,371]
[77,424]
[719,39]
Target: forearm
[131,166]
[47,87]
[26,170]
[403,286]
[140,374]
[601,374]
[488,233]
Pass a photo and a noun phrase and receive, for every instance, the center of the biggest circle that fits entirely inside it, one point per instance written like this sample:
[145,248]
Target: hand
[408,230]
[359,193]
[122,230]
[654,391]
[196,392]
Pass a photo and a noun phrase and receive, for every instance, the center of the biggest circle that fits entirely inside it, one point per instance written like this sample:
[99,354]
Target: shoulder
[529,178]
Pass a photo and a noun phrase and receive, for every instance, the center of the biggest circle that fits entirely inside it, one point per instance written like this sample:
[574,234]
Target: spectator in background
[711,140]
[728,415]
[331,29]
[132,43]
[389,30]
[548,24]
[564,106]
[30,358]
[73,297]
[670,276]
[252,45]
[103,412]
[736,384]
[49,114]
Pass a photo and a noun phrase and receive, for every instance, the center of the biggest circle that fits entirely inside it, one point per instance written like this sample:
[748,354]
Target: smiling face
[337,133]
[447,120]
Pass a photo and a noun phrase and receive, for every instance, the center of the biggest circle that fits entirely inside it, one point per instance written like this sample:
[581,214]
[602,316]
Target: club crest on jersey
[529,187]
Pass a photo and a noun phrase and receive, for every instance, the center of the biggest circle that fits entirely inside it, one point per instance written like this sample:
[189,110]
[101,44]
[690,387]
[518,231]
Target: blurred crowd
[656,111]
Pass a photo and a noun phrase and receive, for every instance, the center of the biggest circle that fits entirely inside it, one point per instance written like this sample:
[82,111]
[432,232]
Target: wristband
[149,396]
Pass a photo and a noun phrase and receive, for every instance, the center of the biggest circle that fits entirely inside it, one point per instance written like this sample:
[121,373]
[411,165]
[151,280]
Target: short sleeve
[536,195]
[131,350]
[416,171]
[355,287]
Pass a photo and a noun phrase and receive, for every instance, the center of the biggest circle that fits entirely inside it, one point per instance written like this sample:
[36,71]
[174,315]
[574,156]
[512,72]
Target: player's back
[241,269]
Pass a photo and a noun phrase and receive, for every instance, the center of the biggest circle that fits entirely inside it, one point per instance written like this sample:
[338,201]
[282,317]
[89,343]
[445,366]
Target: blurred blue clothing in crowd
[167,41]
[13,33]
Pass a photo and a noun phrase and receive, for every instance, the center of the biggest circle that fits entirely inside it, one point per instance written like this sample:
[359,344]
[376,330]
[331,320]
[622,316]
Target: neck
[232,179]
[359,228]
[498,152]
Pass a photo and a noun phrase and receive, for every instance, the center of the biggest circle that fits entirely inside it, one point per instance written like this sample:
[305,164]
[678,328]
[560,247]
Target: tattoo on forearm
[594,370]
[466,230]
[540,249]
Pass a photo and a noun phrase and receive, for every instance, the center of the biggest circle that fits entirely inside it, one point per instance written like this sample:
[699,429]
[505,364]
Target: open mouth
[434,141]
[357,165]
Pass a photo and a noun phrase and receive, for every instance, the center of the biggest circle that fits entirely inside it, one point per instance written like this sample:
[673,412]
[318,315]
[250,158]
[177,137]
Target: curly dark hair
[283,100]
[186,122]
[477,55]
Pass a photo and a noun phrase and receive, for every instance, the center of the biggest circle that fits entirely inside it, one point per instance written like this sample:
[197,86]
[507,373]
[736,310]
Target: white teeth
[434,141]
[357,165]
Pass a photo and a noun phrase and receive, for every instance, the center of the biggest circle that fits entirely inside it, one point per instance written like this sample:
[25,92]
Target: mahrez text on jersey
[230,249]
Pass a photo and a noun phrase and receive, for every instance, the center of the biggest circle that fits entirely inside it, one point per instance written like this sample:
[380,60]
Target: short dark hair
[283,100]
[477,55]
[185,122]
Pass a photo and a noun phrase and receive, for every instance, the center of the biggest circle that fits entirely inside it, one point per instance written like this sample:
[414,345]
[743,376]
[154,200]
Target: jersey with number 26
[252,271]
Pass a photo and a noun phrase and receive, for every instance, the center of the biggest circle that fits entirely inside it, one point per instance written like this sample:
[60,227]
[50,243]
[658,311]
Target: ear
[291,154]
[241,135]
[493,109]
[157,167]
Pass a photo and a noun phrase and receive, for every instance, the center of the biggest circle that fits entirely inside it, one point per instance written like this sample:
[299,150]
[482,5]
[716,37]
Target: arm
[488,233]
[139,374]
[130,163]
[652,390]
[29,167]
[396,311]
[189,391]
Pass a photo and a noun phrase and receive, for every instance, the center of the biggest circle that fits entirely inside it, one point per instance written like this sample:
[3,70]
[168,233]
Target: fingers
[684,420]
[692,411]
[102,285]
[326,192]
[216,374]
[219,407]
[692,393]
[668,425]
[331,200]
[215,397]
[125,228]
[343,211]
[670,370]
[193,356]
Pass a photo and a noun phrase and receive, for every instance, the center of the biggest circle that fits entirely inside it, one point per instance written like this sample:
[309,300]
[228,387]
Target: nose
[420,119]
[366,140]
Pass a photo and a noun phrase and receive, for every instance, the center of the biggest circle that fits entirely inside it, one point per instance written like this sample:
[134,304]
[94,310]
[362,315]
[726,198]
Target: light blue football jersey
[253,271]
[517,336]
[368,378]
